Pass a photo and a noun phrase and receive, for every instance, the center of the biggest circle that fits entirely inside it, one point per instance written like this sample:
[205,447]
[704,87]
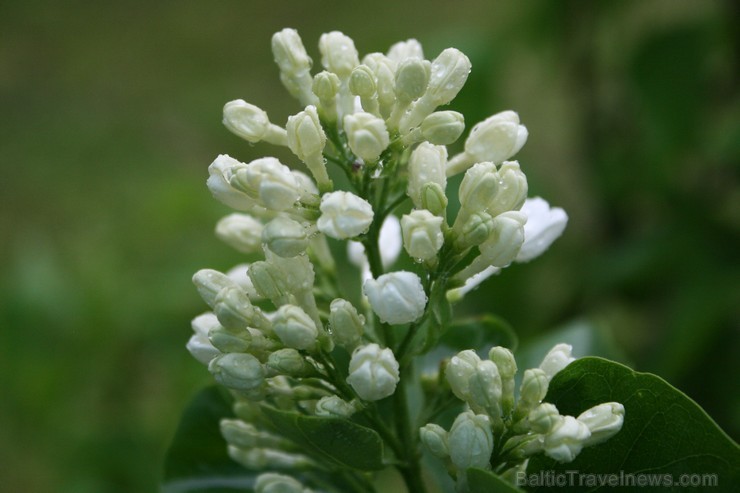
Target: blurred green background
[110,114]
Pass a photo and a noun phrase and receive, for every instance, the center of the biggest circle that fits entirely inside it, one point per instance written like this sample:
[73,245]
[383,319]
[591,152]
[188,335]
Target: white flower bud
[289,362]
[295,328]
[277,483]
[326,86]
[366,135]
[544,418]
[403,50]
[385,73]
[199,345]
[497,138]
[251,123]
[566,440]
[443,127]
[344,215]
[449,72]
[234,310]
[480,183]
[259,459]
[485,389]
[362,81]
[240,275]
[470,441]
[512,189]
[332,406]
[306,138]
[373,372]
[556,359]
[426,165]
[434,437]
[504,360]
[422,234]
[459,371]
[544,226]
[294,63]
[241,232]
[285,237]
[345,324]
[269,180]
[397,297]
[220,173]
[209,284]
[603,421]
[507,236]
[238,371]
[532,391]
[338,53]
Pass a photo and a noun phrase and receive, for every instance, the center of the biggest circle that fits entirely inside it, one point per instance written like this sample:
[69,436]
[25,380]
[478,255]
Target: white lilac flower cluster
[275,324]
[497,428]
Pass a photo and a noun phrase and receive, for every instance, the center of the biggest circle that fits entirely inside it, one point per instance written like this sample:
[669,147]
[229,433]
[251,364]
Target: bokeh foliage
[110,116]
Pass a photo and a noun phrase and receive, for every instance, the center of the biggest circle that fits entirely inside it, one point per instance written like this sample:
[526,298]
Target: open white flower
[544,225]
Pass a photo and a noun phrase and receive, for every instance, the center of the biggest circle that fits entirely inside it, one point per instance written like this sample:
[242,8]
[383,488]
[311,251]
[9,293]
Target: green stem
[411,471]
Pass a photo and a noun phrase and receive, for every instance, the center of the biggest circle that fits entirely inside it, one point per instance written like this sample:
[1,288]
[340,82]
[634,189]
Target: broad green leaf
[337,441]
[664,432]
[480,333]
[482,481]
[197,460]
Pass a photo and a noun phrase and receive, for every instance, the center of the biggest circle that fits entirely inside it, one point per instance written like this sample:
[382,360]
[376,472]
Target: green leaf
[337,441]
[480,333]
[664,432]
[197,460]
[482,481]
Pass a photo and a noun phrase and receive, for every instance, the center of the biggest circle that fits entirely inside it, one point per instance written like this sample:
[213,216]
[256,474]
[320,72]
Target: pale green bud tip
[295,328]
[470,440]
[459,371]
[230,342]
[512,190]
[289,362]
[544,418]
[306,138]
[271,181]
[344,215]
[199,344]
[362,81]
[422,234]
[412,77]
[333,406]
[237,371]
[403,50]
[338,53]
[233,308]
[603,421]
[434,438]
[556,359]
[285,237]
[566,440]
[277,483]
[367,135]
[267,280]
[479,184]
[396,298]
[427,165]
[209,283]
[475,230]
[433,199]
[485,389]
[443,127]
[345,324]
[544,225]
[373,372]
[246,120]
[326,85]
[504,360]
[241,232]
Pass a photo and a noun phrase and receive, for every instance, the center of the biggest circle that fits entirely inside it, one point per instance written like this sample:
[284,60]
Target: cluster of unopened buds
[278,327]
